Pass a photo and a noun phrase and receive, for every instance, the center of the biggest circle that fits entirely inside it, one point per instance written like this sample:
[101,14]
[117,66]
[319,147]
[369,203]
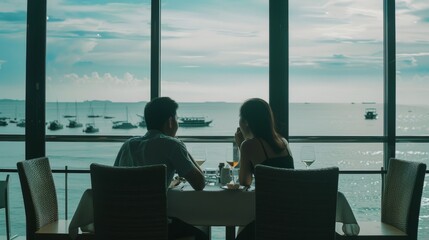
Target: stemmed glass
[199,155]
[232,164]
[230,155]
[308,155]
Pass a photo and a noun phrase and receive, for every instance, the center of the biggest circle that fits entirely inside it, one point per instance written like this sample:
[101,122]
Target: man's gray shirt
[156,148]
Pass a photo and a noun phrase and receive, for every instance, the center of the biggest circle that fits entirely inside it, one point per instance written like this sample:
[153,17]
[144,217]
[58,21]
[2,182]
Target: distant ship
[370,113]
[194,122]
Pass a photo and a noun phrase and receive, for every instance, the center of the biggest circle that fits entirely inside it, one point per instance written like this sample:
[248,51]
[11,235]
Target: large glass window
[98,54]
[214,52]
[412,59]
[13,22]
[336,67]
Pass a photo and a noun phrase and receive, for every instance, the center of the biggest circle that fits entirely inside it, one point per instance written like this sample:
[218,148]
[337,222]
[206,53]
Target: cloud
[209,91]
[19,16]
[191,66]
[97,85]
[330,62]
[1,63]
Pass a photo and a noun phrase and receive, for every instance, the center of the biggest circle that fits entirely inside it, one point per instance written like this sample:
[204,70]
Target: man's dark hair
[158,111]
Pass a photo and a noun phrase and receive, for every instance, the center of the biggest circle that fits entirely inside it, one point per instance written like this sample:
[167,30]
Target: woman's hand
[239,138]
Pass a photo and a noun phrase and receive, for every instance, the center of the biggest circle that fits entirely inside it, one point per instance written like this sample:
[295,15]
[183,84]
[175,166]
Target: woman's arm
[287,147]
[245,176]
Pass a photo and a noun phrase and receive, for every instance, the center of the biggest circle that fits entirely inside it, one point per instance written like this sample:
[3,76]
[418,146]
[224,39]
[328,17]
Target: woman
[258,140]
[259,143]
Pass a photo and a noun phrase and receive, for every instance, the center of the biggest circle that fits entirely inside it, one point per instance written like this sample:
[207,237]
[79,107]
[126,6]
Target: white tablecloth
[213,206]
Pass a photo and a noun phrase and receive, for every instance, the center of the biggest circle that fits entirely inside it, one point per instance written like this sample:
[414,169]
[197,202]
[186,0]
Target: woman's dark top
[279,162]
[248,232]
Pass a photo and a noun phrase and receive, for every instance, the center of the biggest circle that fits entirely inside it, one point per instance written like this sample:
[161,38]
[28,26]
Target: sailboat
[105,112]
[21,123]
[74,123]
[142,123]
[3,122]
[92,115]
[15,119]
[55,125]
[67,115]
[123,124]
[90,127]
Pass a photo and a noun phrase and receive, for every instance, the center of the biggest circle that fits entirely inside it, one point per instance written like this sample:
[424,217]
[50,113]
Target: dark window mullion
[389,81]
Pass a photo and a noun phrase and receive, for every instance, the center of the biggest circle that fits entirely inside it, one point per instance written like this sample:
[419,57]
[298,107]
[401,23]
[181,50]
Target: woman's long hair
[260,118]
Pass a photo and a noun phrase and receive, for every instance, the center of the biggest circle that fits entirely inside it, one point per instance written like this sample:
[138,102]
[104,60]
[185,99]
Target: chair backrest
[295,204]
[38,191]
[402,195]
[4,203]
[129,202]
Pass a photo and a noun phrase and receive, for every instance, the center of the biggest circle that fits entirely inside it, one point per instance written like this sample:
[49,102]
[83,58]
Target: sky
[217,50]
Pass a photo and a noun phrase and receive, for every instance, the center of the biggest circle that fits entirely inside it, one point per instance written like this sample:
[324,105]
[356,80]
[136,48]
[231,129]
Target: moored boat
[21,123]
[74,124]
[142,123]
[3,122]
[123,124]
[370,113]
[90,128]
[55,125]
[194,122]
[105,113]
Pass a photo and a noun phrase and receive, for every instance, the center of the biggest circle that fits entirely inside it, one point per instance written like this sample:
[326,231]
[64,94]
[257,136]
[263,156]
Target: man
[159,146]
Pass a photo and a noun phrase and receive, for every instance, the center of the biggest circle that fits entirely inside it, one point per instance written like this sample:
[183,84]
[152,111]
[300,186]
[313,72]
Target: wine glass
[231,159]
[199,155]
[308,156]
[232,164]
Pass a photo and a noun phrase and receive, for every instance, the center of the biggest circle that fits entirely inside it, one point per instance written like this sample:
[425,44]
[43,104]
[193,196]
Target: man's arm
[196,179]
[196,176]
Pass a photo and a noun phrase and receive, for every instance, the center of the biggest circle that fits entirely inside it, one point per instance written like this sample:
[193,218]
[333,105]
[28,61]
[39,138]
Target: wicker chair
[40,201]
[129,202]
[4,203]
[38,191]
[295,204]
[400,204]
[402,195]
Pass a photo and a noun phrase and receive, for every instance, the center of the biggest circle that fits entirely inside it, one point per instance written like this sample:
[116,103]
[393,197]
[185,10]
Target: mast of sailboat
[58,111]
[75,111]
[92,113]
[127,112]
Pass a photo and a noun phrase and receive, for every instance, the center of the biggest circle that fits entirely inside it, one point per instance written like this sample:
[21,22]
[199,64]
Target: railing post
[66,191]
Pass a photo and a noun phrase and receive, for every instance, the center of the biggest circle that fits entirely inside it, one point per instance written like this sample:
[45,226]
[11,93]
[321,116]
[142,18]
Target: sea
[306,119]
